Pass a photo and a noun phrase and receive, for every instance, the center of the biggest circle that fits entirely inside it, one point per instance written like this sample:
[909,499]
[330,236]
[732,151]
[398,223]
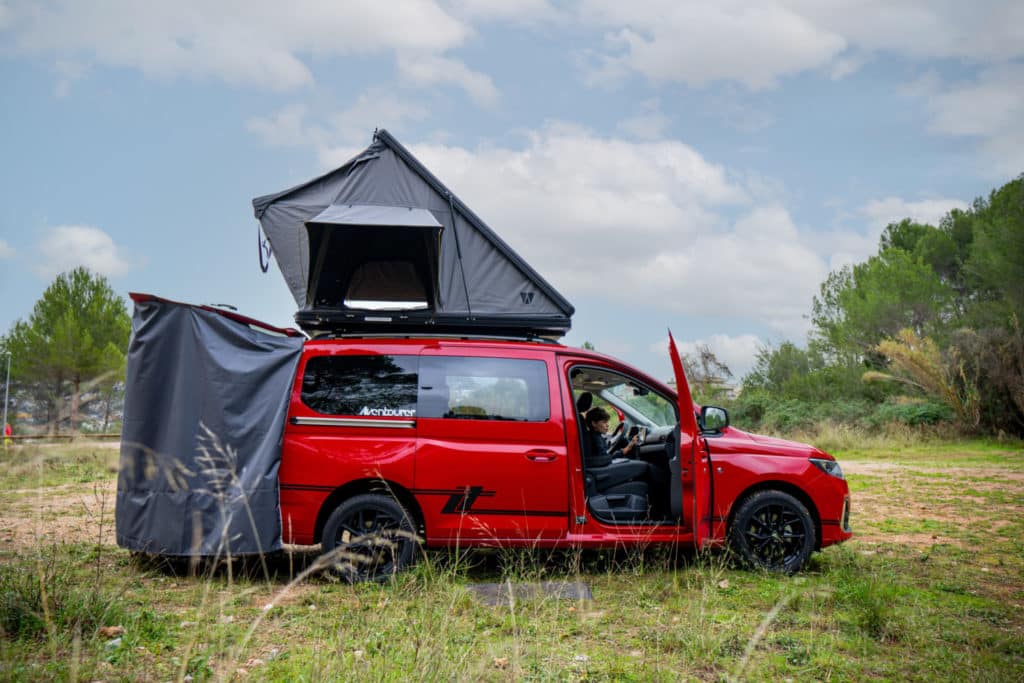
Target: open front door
[696,472]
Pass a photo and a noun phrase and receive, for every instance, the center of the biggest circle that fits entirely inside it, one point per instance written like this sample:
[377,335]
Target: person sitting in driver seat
[611,468]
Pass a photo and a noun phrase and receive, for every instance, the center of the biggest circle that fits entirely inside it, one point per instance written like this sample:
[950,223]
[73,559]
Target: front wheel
[772,530]
[369,537]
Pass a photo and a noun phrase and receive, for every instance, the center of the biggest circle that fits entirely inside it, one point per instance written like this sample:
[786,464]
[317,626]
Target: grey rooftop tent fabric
[205,404]
[382,226]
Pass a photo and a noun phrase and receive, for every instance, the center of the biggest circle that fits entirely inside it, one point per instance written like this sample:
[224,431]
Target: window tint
[483,388]
[379,386]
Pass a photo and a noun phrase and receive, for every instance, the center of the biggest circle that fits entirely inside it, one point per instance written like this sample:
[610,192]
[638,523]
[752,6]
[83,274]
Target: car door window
[484,389]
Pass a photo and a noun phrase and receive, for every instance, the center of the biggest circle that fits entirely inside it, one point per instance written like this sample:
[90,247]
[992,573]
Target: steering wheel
[622,436]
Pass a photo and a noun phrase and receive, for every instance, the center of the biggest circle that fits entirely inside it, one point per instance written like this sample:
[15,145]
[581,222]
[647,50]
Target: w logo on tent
[527,297]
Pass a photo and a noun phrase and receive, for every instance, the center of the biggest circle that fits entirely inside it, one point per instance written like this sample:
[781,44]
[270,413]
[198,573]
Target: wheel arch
[369,485]
[785,487]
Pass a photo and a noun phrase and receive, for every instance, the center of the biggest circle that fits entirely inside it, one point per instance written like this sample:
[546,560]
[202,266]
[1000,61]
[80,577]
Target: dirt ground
[983,498]
[72,512]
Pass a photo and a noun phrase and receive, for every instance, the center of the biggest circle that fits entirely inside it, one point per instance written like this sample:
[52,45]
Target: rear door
[696,468]
[491,455]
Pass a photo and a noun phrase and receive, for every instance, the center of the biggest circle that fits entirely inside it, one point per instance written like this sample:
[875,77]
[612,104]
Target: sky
[692,166]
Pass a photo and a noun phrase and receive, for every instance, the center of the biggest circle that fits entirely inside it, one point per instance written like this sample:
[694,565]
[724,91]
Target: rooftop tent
[380,244]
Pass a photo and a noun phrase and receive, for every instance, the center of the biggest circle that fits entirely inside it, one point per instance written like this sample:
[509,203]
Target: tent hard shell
[381,245]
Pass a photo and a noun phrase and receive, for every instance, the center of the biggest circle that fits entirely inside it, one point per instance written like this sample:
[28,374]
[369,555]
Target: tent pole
[458,251]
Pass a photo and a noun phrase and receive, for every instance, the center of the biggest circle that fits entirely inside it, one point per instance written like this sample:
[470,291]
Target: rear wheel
[369,537]
[773,530]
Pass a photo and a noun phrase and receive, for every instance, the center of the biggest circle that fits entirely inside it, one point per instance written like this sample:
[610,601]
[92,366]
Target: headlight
[828,467]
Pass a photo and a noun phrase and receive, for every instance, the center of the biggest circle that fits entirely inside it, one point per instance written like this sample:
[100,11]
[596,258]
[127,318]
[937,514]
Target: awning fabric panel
[205,405]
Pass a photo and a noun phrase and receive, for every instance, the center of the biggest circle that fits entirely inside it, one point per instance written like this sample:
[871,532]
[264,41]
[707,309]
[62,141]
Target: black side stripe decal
[306,487]
[462,501]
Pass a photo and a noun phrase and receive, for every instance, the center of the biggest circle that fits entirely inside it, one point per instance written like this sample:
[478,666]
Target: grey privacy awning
[364,214]
[206,395]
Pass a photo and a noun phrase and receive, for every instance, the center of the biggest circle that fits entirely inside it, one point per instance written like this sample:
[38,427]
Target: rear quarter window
[371,386]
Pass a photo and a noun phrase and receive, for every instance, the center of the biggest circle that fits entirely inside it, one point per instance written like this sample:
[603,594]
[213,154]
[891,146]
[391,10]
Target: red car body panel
[509,483]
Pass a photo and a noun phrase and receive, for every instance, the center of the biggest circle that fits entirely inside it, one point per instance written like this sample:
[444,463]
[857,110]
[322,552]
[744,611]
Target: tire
[772,530]
[369,537]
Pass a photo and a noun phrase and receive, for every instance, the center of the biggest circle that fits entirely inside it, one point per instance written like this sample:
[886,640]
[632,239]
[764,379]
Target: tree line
[929,329]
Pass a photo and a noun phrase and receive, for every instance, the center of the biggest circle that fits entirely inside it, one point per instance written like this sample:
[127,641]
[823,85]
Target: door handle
[541,455]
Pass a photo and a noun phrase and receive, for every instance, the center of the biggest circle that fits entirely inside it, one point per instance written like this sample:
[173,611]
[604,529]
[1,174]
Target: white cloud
[251,42]
[286,128]
[846,247]
[641,222]
[699,42]
[376,108]
[759,268]
[337,137]
[425,70]
[758,43]
[981,31]
[520,11]
[882,212]
[648,124]
[6,250]
[989,108]
[846,65]
[68,73]
[69,246]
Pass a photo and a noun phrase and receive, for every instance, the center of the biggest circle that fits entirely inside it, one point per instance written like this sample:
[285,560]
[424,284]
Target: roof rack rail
[428,334]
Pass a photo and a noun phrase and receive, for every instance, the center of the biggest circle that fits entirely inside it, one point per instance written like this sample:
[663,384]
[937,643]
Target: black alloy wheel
[773,530]
[369,537]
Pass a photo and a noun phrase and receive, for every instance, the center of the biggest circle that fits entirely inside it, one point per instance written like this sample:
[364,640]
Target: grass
[42,465]
[931,589]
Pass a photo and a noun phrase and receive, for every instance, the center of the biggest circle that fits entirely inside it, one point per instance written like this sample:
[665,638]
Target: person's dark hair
[596,415]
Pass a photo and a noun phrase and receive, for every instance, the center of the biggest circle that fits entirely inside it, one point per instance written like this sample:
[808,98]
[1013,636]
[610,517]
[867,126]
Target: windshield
[642,405]
[641,402]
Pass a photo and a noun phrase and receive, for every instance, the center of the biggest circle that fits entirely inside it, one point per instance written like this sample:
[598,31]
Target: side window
[378,386]
[484,389]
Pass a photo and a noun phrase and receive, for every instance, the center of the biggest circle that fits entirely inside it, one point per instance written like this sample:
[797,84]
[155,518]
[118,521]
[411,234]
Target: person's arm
[627,451]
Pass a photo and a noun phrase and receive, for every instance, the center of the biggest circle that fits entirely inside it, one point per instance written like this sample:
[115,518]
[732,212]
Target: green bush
[913,413]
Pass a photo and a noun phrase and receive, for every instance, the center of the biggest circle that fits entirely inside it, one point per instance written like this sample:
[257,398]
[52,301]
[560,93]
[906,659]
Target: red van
[392,441]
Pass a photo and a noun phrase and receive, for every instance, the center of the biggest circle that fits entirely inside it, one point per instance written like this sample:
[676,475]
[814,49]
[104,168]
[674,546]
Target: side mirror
[713,419]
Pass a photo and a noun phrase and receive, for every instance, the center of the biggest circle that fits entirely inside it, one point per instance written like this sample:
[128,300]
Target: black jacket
[599,455]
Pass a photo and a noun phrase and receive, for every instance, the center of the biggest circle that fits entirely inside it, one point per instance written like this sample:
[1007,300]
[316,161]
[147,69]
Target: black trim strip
[346,321]
[830,522]
[517,513]
[306,487]
[373,423]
